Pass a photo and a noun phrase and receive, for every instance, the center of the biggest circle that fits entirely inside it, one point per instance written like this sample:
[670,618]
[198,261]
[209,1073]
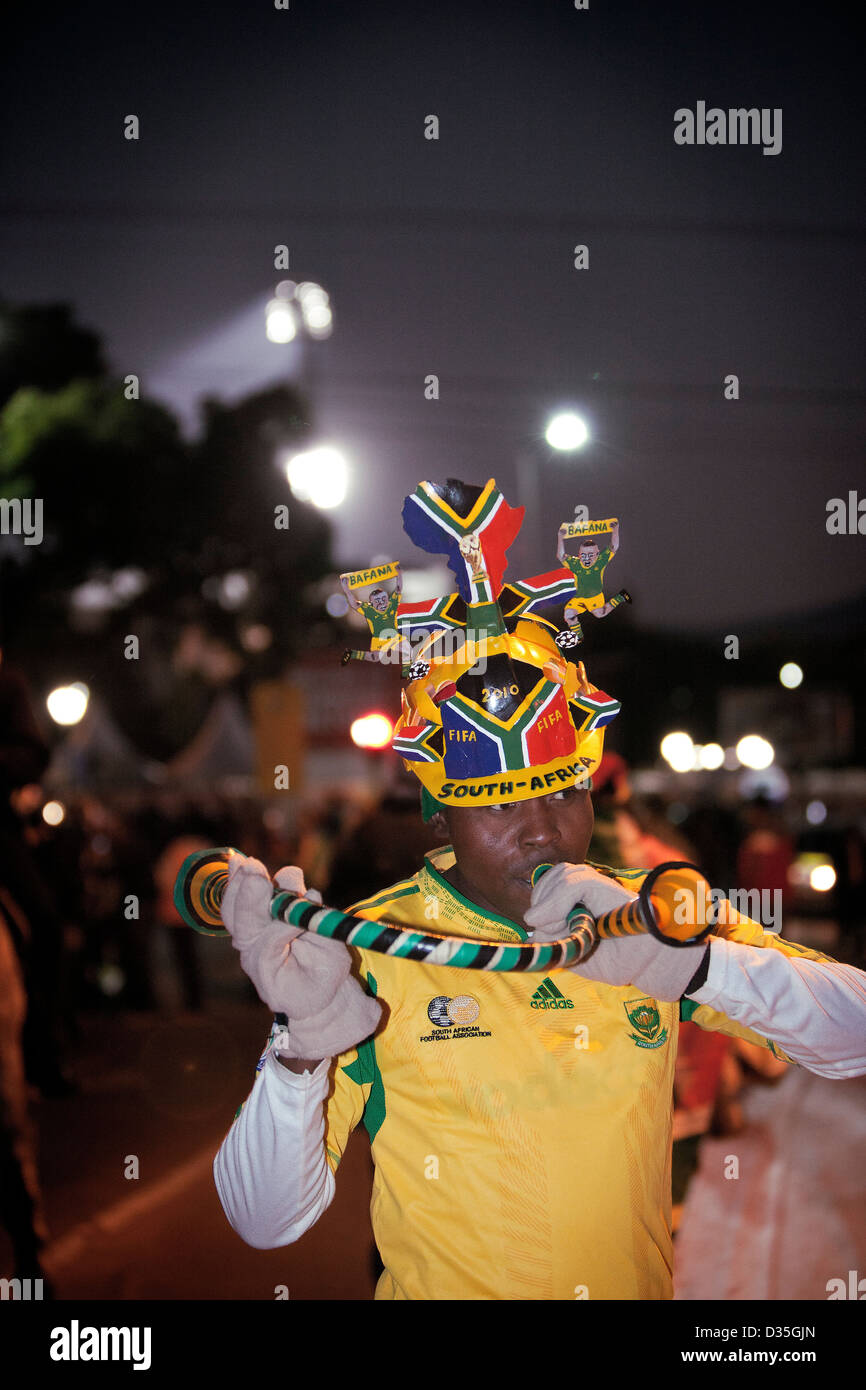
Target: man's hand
[663,972]
[351,599]
[306,977]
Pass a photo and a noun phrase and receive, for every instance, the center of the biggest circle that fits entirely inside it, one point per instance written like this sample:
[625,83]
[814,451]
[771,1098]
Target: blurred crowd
[87,919]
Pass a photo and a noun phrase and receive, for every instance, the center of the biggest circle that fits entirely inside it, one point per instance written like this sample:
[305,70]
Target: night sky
[455,256]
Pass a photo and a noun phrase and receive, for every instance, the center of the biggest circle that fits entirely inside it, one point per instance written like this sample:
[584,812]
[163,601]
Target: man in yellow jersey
[520,1123]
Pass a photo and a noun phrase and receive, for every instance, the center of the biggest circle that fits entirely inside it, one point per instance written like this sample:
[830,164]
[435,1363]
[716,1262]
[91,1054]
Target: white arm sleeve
[271,1171]
[814,1010]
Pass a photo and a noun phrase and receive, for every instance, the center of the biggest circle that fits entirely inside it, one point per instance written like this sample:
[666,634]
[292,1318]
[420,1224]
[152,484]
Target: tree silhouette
[166,536]
[40,345]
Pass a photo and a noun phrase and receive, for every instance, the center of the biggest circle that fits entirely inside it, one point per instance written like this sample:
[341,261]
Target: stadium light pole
[300,311]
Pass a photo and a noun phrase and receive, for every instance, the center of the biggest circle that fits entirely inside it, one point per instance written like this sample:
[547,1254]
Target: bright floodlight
[319,320]
[68,703]
[280,322]
[309,293]
[754,751]
[316,309]
[53,812]
[320,476]
[371,731]
[678,751]
[822,878]
[791,675]
[712,756]
[567,431]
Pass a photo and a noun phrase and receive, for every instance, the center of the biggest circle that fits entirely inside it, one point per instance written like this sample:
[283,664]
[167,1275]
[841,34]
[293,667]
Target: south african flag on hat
[501,715]
[543,596]
[438,516]
[444,614]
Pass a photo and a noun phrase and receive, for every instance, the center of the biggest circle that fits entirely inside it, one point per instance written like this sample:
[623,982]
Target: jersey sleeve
[803,1006]
[358,1091]
[743,930]
[346,1103]
[714,1022]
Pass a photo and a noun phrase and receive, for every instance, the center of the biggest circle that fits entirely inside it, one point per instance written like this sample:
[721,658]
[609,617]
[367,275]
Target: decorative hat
[493,710]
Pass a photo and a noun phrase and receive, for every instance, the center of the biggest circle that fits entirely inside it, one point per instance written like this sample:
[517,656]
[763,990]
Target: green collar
[455,914]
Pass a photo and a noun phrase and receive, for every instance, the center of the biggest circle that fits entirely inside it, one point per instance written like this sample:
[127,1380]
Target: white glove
[661,971]
[296,973]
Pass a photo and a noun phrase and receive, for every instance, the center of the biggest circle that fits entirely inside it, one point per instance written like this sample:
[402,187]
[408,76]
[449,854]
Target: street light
[371,731]
[280,321]
[294,306]
[319,475]
[678,751]
[566,432]
[791,675]
[67,704]
[755,752]
[315,309]
[711,756]
[822,878]
[301,310]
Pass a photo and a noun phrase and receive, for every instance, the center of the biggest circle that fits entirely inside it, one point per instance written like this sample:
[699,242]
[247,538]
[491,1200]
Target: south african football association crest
[454,1019]
[644,1016]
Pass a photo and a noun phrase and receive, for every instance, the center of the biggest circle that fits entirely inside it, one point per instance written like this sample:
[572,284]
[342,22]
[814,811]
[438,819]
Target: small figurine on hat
[588,568]
[379,608]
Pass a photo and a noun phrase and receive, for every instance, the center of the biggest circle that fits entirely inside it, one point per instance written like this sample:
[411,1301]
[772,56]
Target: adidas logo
[547,996]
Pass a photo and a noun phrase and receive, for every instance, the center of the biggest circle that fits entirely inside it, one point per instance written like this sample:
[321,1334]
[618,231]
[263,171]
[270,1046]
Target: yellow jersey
[520,1124]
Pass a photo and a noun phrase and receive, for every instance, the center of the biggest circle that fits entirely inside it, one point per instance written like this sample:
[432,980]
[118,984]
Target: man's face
[588,554]
[379,599]
[497,847]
